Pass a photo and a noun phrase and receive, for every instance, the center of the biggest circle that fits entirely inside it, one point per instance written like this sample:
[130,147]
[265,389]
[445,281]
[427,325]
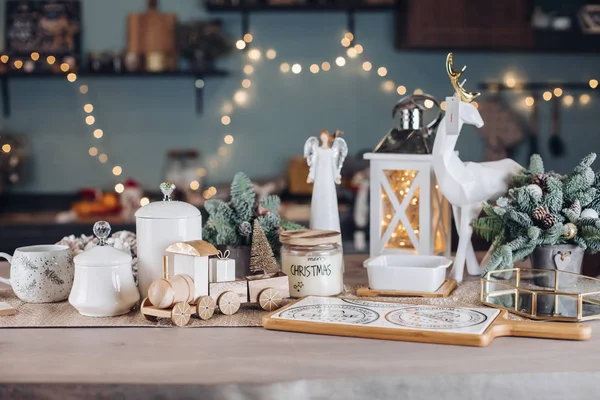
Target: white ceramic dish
[407,273]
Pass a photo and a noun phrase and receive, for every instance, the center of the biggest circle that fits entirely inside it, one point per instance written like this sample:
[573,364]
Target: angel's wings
[310,150]
[310,153]
[340,151]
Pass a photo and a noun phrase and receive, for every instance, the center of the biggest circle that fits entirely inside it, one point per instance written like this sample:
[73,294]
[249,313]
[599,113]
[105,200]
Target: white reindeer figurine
[466,185]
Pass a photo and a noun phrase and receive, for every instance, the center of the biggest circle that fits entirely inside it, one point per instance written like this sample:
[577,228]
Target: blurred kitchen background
[115,96]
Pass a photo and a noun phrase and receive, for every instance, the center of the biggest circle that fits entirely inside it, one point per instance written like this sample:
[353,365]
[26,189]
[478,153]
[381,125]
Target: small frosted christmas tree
[261,255]
[543,209]
[230,223]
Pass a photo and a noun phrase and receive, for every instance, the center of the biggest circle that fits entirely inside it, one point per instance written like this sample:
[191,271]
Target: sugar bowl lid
[167,208]
[102,255]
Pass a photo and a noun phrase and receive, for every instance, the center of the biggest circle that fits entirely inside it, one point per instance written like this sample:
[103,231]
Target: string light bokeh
[242,96]
[353,51]
[88,108]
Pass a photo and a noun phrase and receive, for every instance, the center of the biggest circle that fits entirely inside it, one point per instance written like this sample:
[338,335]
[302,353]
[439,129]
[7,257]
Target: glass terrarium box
[408,214]
[545,294]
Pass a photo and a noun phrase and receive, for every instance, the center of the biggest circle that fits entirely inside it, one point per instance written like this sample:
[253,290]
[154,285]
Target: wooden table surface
[242,362]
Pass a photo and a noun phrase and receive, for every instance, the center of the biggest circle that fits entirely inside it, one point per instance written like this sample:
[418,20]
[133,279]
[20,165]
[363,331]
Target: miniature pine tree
[230,223]
[261,255]
[543,208]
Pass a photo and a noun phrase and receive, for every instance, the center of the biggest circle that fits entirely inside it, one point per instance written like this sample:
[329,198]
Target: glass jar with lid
[313,261]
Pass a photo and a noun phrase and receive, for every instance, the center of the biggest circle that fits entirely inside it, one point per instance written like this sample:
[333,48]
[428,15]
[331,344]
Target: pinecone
[541,180]
[540,213]
[548,221]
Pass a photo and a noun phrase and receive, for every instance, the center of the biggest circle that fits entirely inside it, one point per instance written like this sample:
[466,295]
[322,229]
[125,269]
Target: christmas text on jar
[312,260]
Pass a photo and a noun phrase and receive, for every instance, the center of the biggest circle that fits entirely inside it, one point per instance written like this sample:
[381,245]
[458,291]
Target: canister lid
[167,208]
[102,255]
[309,237]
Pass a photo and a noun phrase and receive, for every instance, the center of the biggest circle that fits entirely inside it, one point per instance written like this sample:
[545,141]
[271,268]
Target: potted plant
[552,218]
[229,225]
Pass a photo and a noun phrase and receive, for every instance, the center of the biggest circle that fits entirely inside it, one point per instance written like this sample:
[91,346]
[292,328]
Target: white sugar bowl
[103,285]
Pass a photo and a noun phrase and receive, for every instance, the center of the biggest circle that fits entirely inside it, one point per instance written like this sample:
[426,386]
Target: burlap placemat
[64,315]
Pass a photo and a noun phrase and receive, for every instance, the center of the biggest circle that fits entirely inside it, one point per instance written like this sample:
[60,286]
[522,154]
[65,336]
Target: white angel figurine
[325,171]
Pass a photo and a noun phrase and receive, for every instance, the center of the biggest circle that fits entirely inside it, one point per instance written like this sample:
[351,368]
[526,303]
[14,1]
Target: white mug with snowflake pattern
[41,274]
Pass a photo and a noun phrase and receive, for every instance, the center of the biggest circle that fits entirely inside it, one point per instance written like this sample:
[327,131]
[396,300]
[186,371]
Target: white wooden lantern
[408,214]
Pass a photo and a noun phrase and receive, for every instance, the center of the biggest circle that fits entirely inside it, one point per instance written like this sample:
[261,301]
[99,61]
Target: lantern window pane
[399,238]
[402,184]
[387,211]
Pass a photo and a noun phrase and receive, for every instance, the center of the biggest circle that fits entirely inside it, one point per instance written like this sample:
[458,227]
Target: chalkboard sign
[52,27]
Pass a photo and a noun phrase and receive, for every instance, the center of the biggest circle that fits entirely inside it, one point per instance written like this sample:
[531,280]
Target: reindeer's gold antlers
[454,78]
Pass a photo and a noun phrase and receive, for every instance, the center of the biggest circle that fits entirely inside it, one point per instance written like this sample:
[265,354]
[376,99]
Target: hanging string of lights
[568,100]
[242,96]
[97,134]
[353,51]
[88,108]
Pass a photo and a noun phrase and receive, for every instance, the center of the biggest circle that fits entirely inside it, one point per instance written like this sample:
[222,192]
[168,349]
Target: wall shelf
[308,8]
[196,75]
[350,7]
[534,86]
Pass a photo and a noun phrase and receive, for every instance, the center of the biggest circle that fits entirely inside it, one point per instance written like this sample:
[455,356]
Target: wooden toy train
[194,288]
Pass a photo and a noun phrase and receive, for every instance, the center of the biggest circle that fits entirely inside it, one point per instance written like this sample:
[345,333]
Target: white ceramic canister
[158,225]
[313,261]
[103,285]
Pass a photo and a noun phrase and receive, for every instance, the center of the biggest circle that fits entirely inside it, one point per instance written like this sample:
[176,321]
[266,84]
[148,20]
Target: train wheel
[269,299]
[181,313]
[229,303]
[206,307]
[146,303]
